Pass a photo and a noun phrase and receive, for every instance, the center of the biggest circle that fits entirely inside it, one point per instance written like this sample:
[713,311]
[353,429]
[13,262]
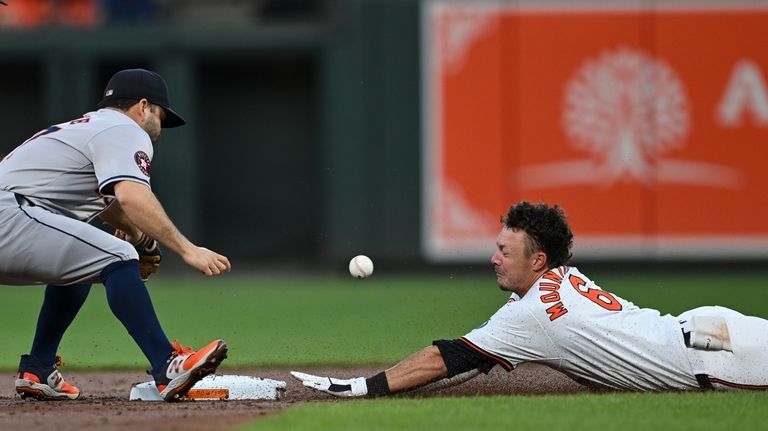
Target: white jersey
[567,322]
[69,168]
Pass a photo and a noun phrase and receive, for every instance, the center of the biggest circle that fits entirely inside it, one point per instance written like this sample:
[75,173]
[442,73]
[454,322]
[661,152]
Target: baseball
[361,266]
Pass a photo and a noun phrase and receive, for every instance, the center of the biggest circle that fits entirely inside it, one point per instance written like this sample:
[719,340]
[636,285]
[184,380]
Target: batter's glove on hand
[149,254]
[356,387]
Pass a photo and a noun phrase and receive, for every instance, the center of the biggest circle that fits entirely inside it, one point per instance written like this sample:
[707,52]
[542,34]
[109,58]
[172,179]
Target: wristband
[378,385]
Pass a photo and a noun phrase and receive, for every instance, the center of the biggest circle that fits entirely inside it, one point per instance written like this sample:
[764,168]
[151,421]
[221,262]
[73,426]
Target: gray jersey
[69,168]
[56,181]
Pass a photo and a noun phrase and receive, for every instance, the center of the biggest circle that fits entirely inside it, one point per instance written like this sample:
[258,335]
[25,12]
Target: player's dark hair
[121,104]
[546,228]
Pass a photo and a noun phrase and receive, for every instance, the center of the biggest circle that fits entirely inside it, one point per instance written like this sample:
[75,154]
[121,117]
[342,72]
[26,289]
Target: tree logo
[627,109]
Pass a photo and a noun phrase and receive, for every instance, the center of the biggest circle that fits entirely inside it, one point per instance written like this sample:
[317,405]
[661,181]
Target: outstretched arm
[426,367]
[425,370]
[419,369]
[145,212]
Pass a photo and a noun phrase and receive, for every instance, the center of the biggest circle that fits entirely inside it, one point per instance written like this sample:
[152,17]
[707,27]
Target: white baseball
[361,266]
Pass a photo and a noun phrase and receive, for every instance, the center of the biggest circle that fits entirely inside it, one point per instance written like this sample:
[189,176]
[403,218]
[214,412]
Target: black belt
[687,339]
[704,383]
[22,200]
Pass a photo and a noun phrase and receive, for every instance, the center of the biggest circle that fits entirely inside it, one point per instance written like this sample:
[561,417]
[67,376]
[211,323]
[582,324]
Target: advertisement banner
[647,124]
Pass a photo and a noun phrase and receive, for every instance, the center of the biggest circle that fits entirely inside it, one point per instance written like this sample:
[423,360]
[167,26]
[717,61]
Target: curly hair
[546,228]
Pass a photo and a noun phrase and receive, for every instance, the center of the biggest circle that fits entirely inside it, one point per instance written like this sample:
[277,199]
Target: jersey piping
[114,179]
[737,385]
[498,359]
[68,234]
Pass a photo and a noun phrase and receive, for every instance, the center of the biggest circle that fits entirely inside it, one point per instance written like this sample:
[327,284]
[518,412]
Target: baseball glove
[149,254]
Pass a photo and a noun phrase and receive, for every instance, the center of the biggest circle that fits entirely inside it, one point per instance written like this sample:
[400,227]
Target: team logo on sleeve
[143,162]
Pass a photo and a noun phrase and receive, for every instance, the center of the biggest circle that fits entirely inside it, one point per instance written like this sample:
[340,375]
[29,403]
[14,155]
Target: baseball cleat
[186,367]
[43,383]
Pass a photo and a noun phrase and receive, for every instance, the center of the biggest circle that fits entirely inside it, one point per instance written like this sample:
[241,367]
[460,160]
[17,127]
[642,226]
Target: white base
[217,387]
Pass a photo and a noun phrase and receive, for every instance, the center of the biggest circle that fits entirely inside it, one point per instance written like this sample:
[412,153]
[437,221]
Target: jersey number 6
[599,297]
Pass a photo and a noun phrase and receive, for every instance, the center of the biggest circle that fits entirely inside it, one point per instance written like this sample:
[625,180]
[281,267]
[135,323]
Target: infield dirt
[104,404]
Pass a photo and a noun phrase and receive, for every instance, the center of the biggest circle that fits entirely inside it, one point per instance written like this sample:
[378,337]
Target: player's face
[153,121]
[514,270]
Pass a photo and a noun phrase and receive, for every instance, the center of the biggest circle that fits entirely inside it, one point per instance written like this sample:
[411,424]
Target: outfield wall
[305,139]
[646,121]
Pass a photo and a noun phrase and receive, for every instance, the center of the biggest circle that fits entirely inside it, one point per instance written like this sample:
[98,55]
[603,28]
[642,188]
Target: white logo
[175,366]
[626,109]
[745,94]
[108,93]
[55,379]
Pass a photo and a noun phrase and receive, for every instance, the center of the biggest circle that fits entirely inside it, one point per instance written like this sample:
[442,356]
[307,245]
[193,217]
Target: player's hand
[339,387]
[209,263]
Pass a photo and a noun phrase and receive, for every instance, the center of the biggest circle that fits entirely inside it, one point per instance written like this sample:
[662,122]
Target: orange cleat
[43,383]
[186,367]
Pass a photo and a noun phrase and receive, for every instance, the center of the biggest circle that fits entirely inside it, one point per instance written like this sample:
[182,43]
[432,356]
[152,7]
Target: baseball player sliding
[557,316]
[52,186]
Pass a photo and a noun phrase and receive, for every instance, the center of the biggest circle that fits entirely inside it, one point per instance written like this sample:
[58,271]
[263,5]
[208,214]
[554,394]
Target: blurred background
[403,129]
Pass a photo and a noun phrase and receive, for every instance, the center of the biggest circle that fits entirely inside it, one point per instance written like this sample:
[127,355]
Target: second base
[215,387]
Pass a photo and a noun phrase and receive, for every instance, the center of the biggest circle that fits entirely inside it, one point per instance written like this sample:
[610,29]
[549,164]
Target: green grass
[328,320]
[269,321]
[630,411]
[293,321]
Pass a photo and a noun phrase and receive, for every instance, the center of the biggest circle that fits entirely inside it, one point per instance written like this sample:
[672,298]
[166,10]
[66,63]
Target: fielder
[557,316]
[52,186]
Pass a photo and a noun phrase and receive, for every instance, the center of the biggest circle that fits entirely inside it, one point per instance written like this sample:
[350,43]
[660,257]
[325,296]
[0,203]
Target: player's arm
[141,207]
[424,366]
[446,363]
[115,217]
